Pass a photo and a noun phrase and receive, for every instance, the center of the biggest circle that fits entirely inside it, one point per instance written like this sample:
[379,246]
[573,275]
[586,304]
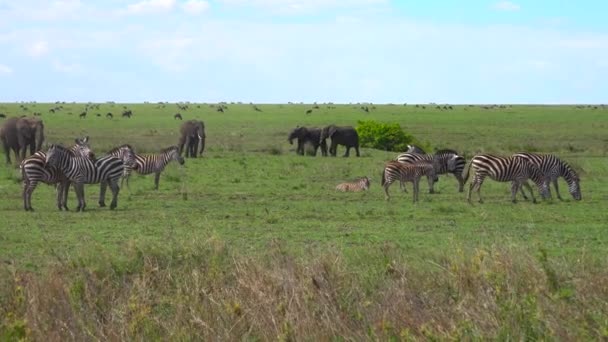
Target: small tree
[383,136]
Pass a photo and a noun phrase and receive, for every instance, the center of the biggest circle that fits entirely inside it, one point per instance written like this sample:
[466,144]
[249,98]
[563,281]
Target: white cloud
[302,6]
[4,69]
[66,68]
[150,6]
[506,6]
[37,48]
[195,6]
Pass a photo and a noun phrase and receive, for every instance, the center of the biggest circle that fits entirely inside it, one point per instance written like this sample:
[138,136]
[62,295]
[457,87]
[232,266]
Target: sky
[279,51]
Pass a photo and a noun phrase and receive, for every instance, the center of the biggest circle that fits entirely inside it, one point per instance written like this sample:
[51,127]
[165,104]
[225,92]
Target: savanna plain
[251,241]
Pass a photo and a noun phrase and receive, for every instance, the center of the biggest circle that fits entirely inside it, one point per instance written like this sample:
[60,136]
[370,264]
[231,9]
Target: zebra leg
[59,189]
[556,189]
[523,193]
[386,185]
[416,189]
[476,185]
[102,193]
[115,189]
[28,189]
[514,187]
[525,183]
[402,186]
[431,184]
[79,189]
[66,190]
[156,179]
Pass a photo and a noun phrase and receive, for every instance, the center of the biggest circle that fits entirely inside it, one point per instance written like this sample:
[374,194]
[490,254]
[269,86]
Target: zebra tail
[466,176]
[383,178]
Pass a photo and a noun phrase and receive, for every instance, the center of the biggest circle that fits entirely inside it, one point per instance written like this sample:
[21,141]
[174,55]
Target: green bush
[383,136]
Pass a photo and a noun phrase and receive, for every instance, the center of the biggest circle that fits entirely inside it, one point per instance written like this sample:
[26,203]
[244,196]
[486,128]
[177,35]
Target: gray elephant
[305,135]
[191,133]
[340,135]
[19,133]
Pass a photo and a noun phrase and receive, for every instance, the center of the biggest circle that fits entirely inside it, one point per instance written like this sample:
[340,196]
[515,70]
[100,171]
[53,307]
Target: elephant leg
[333,149]
[7,151]
[324,149]
[187,143]
[115,190]
[32,147]
[102,193]
[357,150]
[347,151]
[156,179]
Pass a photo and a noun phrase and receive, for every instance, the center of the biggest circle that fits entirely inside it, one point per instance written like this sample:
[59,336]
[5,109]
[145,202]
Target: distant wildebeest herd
[415,163]
[78,165]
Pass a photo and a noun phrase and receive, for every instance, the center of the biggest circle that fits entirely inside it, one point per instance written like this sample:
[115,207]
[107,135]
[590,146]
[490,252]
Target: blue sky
[276,51]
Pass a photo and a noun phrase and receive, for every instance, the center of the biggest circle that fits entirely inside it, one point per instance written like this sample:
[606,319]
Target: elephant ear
[331,131]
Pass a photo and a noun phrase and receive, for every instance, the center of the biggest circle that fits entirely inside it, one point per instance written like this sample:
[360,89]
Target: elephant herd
[340,135]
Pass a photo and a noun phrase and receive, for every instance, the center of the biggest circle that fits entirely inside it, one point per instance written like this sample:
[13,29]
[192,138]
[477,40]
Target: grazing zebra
[553,168]
[35,170]
[80,171]
[155,163]
[445,161]
[360,184]
[394,170]
[506,169]
[414,149]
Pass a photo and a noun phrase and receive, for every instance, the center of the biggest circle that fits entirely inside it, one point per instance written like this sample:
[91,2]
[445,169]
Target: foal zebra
[80,171]
[155,163]
[445,161]
[35,170]
[124,153]
[359,184]
[553,168]
[394,170]
[506,169]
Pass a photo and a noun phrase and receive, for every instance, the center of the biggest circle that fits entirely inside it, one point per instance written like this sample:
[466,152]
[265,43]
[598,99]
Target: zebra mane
[168,149]
[115,149]
[62,148]
[571,173]
[446,151]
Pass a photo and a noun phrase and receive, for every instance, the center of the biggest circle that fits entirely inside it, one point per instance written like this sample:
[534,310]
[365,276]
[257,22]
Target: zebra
[359,184]
[553,168]
[155,163]
[414,149]
[445,161]
[35,170]
[506,169]
[80,171]
[394,170]
[127,155]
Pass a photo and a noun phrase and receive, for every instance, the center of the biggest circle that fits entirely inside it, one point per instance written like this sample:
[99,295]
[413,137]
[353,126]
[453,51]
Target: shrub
[383,136]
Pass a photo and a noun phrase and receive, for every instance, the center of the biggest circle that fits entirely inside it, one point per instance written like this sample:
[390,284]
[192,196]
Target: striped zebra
[553,168]
[506,169]
[445,161]
[80,171]
[394,170]
[359,184]
[127,154]
[146,164]
[34,170]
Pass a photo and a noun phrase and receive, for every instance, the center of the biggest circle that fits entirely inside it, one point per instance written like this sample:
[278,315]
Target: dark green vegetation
[252,232]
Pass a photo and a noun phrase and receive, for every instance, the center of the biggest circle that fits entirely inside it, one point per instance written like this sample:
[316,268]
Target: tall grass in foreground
[206,291]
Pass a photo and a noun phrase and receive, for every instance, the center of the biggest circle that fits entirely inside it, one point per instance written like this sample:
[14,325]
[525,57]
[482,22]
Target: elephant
[305,135]
[340,135]
[19,133]
[192,132]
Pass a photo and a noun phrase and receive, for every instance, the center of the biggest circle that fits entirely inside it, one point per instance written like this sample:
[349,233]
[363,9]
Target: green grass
[252,192]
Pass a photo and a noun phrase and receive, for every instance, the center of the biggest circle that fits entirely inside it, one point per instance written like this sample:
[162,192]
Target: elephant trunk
[39,137]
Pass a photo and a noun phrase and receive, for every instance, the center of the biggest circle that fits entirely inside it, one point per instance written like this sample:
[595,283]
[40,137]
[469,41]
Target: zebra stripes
[553,168]
[402,172]
[155,163]
[445,161]
[359,184]
[505,169]
[127,155]
[34,170]
[82,171]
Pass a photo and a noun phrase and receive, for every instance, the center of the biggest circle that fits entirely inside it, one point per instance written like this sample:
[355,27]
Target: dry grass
[205,291]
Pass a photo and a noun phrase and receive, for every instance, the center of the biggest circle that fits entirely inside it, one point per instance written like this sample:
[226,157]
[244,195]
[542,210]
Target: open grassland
[252,240]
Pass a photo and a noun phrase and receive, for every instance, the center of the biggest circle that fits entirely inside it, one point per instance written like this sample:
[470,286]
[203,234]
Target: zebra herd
[517,169]
[77,165]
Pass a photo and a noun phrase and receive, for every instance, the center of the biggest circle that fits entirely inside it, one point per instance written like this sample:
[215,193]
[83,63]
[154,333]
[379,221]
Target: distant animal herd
[78,165]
